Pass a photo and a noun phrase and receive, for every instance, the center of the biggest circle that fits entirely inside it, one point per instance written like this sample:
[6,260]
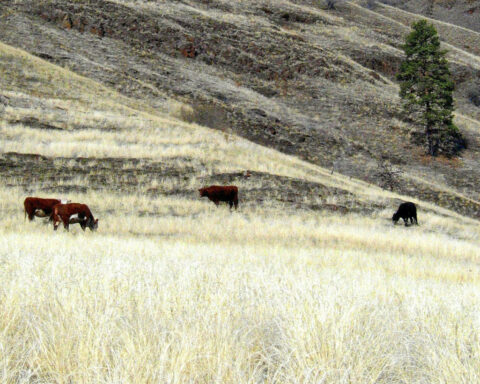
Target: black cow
[406,211]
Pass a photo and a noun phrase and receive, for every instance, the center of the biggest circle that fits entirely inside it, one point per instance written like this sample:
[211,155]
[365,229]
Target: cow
[74,213]
[406,211]
[36,206]
[218,193]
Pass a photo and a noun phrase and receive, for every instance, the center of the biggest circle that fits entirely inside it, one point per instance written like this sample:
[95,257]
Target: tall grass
[194,293]
[239,298]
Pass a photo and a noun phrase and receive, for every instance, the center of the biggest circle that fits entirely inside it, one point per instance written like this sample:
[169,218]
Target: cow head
[395,217]
[203,192]
[92,224]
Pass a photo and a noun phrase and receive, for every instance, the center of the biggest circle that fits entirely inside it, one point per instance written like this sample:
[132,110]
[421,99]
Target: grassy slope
[312,83]
[172,289]
[461,12]
[92,121]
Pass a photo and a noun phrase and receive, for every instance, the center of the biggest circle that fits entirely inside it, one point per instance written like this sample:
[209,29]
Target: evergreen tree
[426,88]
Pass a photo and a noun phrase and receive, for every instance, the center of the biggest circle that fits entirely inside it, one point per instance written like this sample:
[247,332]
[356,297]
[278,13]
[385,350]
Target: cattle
[406,211]
[36,206]
[74,213]
[218,193]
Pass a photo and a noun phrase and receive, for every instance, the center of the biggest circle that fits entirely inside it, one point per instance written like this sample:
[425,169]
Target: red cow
[74,213]
[218,193]
[36,206]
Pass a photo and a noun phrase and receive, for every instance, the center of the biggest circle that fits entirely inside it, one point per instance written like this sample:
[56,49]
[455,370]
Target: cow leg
[230,203]
[56,221]
[66,220]
[235,202]
[217,203]
[405,220]
[415,217]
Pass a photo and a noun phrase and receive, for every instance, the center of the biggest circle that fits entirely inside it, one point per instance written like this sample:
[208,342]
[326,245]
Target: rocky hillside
[293,75]
[465,13]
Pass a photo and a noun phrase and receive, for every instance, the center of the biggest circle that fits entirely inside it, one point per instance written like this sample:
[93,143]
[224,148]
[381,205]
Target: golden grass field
[172,289]
[197,294]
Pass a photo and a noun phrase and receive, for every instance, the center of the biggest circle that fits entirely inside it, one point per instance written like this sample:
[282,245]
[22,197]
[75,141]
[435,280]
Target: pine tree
[426,87]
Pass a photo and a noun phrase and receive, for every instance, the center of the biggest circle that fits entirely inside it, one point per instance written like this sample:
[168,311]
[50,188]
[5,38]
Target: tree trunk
[432,139]
[430,150]
[431,133]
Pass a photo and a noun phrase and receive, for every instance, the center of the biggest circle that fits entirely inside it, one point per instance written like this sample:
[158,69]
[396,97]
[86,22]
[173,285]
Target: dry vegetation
[173,290]
[191,293]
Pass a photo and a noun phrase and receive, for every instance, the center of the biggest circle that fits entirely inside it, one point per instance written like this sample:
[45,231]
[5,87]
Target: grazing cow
[218,193]
[74,213]
[36,206]
[406,211]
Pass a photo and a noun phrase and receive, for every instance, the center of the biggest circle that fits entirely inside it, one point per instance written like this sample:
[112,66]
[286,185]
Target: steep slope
[67,134]
[62,133]
[465,13]
[308,281]
[312,83]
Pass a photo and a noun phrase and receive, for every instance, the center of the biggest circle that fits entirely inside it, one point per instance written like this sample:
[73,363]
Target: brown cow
[218,193]
[74,213]
[36,206]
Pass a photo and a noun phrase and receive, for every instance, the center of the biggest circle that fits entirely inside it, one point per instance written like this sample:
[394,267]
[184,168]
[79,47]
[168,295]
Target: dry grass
[453,35]
[196,294]
[174,290]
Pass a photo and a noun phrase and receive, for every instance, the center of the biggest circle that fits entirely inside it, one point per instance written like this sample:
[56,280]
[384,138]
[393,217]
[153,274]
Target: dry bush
[473,95]
[206,114]
[388,176]
[370,4]
[331,4]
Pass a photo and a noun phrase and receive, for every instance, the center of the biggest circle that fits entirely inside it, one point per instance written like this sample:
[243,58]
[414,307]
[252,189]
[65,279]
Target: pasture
[197,294]
[172,289]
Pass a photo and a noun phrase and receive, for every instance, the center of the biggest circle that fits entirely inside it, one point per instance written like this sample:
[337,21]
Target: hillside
[66,134]
[130,107]
[464,13]
[310,82]
[308,281]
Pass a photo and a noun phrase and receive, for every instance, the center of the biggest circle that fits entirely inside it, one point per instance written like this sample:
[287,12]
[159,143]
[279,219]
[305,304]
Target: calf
[36,206]
[406,211]
[72,214]
[218,193]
